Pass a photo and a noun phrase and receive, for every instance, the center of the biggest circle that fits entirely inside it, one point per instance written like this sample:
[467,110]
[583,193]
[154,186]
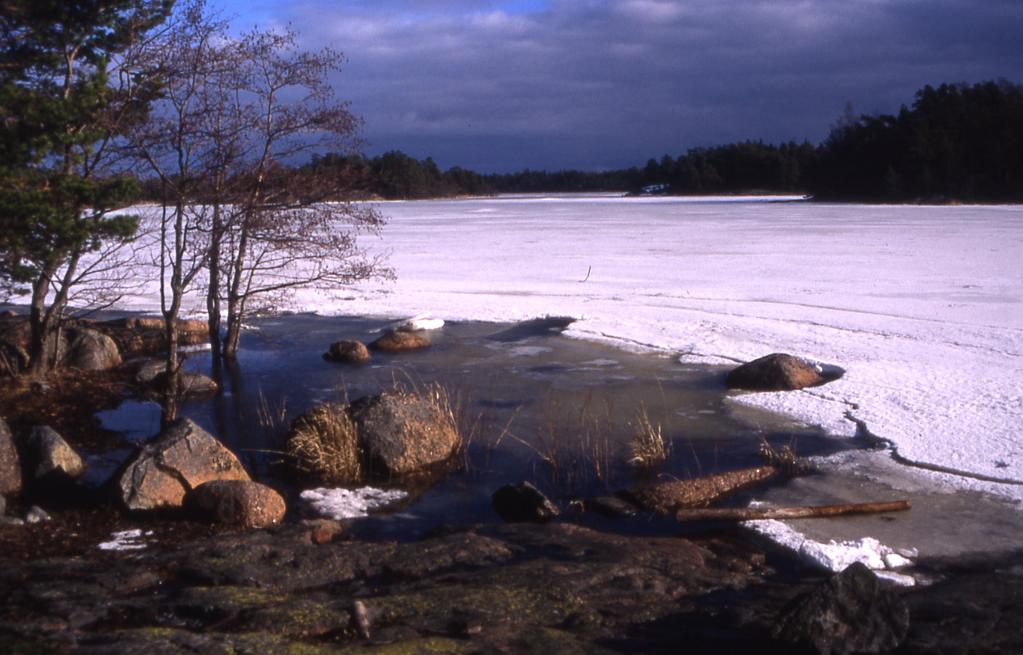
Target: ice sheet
[920,304]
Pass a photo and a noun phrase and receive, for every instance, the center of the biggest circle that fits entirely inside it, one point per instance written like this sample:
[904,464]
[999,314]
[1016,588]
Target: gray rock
[180,459]
[849,613]
[196,384]
[90,350]
[149,370]
[10,463]
[404,433]
[51,455]
[37,514]
[238,502]
[190,385]
[523,502]
[781,372]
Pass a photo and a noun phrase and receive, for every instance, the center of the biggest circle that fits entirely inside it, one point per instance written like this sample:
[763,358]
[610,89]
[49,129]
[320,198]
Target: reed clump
[648,447]
[324,442]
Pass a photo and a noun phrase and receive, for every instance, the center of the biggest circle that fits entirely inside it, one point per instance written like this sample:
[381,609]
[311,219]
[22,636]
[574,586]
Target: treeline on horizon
[956,142]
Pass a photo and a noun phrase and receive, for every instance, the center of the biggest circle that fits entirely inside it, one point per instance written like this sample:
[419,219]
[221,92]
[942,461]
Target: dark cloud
[498,85]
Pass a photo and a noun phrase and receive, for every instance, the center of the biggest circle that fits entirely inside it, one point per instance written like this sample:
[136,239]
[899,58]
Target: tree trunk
[170,401]
[43,345]
[234,334]
[813,511]
[213,294]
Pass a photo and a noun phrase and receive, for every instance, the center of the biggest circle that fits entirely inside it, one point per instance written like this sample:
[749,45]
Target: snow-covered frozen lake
[920,304]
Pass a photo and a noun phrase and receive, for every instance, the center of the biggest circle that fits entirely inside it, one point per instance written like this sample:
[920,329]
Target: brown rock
[776,372]
[348,352]
[398,341]
[10,463]
[403,433]
[238,502]
[147,334]
[323,531]
[181,458]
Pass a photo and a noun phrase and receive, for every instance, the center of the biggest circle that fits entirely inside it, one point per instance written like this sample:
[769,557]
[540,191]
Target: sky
[502,85]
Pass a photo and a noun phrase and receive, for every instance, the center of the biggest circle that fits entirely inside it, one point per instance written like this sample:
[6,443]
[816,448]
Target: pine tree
[58,115]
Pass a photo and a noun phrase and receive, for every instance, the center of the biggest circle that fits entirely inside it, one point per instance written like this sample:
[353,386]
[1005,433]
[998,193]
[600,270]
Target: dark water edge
[535,405]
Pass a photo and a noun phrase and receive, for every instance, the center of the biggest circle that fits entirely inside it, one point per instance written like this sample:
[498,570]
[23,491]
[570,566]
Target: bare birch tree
[295,227]
[237,216]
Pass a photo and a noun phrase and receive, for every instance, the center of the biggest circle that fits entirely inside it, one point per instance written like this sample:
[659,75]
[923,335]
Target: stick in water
[817,511]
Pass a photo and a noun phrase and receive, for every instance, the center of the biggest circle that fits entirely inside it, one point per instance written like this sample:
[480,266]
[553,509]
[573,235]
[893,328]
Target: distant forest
[957,142]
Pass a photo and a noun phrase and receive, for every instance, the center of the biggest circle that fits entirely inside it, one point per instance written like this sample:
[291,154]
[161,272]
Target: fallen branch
[665,497]
[817,511]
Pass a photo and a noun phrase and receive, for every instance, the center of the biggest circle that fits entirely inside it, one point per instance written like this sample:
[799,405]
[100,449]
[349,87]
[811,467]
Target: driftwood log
[815,511]
[666,497]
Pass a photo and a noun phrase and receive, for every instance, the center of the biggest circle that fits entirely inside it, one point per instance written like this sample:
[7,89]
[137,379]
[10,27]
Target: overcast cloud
[503,85]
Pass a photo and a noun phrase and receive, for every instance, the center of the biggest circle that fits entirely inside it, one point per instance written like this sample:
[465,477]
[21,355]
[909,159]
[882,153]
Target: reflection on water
[540,406]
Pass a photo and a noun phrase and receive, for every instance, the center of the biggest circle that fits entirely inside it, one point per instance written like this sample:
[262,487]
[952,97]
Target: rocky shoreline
[108,573]
[497,588]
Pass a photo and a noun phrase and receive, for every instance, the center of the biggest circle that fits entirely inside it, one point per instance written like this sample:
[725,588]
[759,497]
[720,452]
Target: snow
[126,540]
[836,556]
[341,504]
[921,305]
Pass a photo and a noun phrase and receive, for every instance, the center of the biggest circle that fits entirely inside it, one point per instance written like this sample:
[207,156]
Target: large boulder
[397,341]
[347,352]
[780,372]
[849,613]
[404,433]
[51,456]
[181,458]
[519,503]
[89,350]
[238,502]
[10,463]
[324,443]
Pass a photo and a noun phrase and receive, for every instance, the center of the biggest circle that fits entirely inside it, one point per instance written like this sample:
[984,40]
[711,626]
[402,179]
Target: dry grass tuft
[648,446]
[324,442]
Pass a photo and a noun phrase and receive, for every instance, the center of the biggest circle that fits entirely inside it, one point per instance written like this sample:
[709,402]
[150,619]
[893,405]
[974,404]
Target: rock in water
[403,433]
[90,350]
[850,613]
[238,502]
[397,341]
[347,352]
[10,463]
[51,455]
[181,458]
[148,370]
[522,502]
[779,372]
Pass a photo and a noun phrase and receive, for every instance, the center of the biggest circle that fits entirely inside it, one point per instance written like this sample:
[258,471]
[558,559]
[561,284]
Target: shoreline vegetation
[957,143]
